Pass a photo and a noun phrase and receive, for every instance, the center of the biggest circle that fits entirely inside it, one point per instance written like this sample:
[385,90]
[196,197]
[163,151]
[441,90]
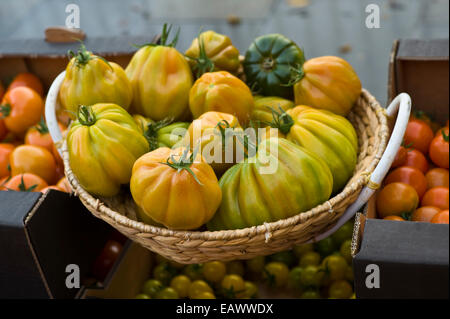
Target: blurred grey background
[320,27]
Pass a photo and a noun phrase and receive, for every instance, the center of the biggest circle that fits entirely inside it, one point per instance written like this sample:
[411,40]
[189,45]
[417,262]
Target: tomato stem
[281,120]
[297,73]
[184,162]
[41,127]
[86,115]
[83,56]
[151,134]
[5,110]
[203,63]
[445,136]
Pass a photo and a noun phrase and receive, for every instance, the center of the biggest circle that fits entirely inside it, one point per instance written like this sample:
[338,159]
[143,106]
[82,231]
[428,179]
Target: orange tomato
[39,135]
[393,217]
[409,175]
[3,182]
[439,149]
[418,134]
[437,177]
[415,158]
[56,188]
[64,185]
[440,218]
[400,158]
[28,80]
[26,183]
[33,159]
[21,108]
[424,213]
[396,199]
[3,130]
[437,196]
[5,151]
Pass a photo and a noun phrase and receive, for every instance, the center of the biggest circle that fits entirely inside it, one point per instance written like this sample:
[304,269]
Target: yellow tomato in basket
[174,189]
[103,144]
[221,92]
[265,106]
[90,79]
[329,83]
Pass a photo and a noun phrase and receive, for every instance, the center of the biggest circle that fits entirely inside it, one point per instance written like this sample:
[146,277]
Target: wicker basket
[370,122]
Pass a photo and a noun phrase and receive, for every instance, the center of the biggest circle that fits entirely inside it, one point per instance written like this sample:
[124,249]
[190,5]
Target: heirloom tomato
[424,213]
[439,149]
[174,188]
[269,63]
[328,83]
[165,134]
[21,108]
[219,147]
[437,177]
[26,183]
[436,196]
[415,158]
[212,51]
[281,180]
[28,80]
[221,92]
[440,218]
[396,199]
[33,159]
[418,134]
[103,144]
[5,150]
[408,175]
[161,79]
[262,114]
[91,79]
[329,136]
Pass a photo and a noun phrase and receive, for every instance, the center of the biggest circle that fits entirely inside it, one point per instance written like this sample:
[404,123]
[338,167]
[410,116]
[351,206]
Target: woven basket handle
[401,106]
[50,111]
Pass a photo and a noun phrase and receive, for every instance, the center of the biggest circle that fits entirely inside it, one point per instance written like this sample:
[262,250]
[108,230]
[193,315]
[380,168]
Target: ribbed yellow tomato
[282,180]
[175,190]
[265,105]
[103,143]
[90,79]
[328,83]
[221,92]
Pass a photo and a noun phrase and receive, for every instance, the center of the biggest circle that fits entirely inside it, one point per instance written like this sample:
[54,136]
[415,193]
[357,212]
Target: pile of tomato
[417,187]
[320,270]
[29,161]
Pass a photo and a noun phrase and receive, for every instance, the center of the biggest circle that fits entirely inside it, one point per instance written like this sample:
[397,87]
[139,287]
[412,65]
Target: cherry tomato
[3,130]
[326,246]
[400,157]
[310,258]
[311,276]
[151,287]
[250,290]
[415,158]
[408,175]
[194,271]
[214,271]
[440,218]
[33,159]
[437,196]
[21,108]
[335,267]
[294,280]
[26,183]
[205,295]
[396,199]
[235,267]
[346,250]
[343,233]
[437,177]
[142,296]
[418,134]
[394,217]
[181,284]
[167,293]
[233,286]
[28,80]
[106,259]
[256,264]
[286,257]
[310,294]
[197,287]
[340,289]
[301,249]
[439,149]
[5,151]
[276,273]
[164,273]
[424,213]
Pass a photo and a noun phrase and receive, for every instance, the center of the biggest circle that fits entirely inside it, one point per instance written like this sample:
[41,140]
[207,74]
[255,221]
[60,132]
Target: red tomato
[400,158]
[28,80]
[415,158]
[424,213]
[418,134]
[396,199]
[439,149]
[409,175]
[106,259]
[437,196]
[437,177]
[5,151]
[441,217]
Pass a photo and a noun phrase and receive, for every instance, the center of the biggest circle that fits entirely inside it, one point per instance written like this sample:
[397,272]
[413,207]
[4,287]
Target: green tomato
[194,271]
[256,264]
[214,271]
[167,293]
[235,267]
[310,258]
[344,233]
[151,287]
[251,290]
[198,287]
[325,247]
[286,257]
[233,286]
[181,284]
[164,273]
[345,250]
[294,281]
[276,274]
[142,296]
[310,294]
[302,249]
[335,267]
[311,276]
[205,295]
[340,289]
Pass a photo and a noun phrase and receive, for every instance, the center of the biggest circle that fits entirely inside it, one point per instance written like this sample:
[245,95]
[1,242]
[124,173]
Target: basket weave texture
[370,122]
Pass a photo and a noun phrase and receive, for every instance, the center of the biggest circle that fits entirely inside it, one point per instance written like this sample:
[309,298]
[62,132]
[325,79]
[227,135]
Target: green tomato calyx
[297,73]
[281,120]
[5,110]
[86,115]
[41,127]
[83,56]
[184,161]
[203,63]
[151,134]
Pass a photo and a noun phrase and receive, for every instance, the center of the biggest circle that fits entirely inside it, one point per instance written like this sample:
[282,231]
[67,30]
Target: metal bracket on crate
[401,106]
